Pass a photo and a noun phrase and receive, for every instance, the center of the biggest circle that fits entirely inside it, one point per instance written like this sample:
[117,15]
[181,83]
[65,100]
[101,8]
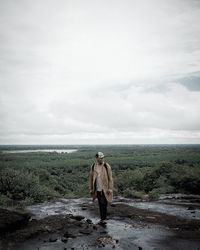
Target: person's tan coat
[107,181]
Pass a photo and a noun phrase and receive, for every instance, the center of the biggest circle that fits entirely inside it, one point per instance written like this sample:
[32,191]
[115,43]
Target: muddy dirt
[73,224]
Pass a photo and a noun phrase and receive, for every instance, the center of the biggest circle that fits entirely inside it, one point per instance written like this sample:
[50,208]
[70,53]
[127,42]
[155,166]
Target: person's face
[100,160]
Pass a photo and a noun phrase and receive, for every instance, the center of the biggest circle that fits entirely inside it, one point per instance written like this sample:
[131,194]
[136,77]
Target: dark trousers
[102,204]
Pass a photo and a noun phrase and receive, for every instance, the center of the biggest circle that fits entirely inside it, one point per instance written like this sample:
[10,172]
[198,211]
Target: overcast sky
[99,72]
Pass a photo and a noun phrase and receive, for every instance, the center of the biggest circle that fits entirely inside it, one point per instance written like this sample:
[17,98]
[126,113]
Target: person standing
[101,185]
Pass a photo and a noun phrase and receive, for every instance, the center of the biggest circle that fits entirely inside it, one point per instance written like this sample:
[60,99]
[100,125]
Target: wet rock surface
[56,232]
[128,227]
[12,220]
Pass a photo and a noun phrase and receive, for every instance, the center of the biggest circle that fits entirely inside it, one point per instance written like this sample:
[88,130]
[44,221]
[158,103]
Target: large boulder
[12,220]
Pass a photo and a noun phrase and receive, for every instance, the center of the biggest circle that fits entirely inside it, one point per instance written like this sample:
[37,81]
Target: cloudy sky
[95,72]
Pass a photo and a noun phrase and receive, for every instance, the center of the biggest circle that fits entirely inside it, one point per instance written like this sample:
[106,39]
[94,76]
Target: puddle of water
[139,235]
[171,209]
[64,206]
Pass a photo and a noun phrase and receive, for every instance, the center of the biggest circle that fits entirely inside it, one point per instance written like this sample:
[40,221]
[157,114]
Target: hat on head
[99,155]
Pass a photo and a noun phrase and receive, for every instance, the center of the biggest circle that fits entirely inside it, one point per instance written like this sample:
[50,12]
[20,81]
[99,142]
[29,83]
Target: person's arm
[91,189]
[91,180]
[110,179]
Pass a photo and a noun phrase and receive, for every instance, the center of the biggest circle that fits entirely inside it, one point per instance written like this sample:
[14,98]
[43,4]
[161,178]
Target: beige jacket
[107,181]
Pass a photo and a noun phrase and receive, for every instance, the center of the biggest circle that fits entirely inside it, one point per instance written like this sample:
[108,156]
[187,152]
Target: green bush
[5,201]
[19,185]
[130,193]
[154,194]
[137,170]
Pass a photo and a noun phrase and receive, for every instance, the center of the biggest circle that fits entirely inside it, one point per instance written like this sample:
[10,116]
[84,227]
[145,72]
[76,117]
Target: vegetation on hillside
[27,178]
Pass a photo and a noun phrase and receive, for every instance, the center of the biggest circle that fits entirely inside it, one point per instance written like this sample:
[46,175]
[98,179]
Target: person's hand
[109,191]
[93,196]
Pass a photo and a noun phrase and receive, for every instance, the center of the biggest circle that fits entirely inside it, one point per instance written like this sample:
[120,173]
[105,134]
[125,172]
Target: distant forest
[138,171]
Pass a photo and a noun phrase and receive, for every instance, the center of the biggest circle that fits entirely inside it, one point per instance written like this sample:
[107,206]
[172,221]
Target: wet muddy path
[170,223]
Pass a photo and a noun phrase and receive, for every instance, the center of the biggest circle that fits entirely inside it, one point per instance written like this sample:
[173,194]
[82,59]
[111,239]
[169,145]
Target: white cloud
[106,71]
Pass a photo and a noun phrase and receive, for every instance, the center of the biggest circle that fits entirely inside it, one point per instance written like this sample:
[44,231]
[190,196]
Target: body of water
[41,150]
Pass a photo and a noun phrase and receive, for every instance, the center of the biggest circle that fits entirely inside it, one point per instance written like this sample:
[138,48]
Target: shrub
[5,201]
[19,185]
[130,193]
[154,194]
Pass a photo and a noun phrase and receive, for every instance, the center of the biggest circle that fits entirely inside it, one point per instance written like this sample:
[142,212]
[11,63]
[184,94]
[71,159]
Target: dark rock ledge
[17,228]
[12,220]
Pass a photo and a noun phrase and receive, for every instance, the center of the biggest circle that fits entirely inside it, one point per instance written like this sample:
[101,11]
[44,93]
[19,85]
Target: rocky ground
[128,227]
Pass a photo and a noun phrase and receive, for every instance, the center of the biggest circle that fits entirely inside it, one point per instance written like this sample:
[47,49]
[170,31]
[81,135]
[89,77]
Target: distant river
[42,150]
